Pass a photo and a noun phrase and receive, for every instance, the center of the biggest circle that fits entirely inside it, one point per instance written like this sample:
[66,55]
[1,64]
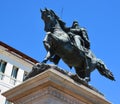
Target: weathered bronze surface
[72,45]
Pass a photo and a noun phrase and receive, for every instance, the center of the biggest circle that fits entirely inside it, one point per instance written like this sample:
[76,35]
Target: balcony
[9,79]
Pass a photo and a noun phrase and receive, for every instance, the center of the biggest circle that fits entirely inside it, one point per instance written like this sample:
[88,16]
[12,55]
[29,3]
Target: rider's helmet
[75,24]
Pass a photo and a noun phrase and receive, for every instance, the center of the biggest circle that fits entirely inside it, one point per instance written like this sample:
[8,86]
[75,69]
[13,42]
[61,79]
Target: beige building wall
[13,66]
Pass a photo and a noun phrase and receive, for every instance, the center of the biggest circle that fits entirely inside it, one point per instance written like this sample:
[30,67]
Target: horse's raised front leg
[49,51]
[48,56]
[55,59]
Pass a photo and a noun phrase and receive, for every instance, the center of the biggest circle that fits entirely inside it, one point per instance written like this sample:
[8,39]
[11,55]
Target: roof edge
[11,49]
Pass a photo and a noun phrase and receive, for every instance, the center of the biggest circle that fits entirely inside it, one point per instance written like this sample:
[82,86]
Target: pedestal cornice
[52,83]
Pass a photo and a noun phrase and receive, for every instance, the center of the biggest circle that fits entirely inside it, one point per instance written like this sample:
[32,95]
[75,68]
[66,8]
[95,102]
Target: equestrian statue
[72,45]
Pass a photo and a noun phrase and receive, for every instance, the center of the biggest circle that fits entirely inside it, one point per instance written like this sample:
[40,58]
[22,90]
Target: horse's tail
[104,71]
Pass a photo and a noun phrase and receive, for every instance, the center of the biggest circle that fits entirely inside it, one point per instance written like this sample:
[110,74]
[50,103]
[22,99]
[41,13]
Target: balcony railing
[1,76]
[11,80]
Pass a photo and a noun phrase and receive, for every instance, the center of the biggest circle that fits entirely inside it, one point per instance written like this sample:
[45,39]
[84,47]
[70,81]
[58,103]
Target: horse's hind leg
[83,74]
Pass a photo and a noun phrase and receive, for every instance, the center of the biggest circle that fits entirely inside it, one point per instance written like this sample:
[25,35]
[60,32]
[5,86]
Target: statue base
[53,86]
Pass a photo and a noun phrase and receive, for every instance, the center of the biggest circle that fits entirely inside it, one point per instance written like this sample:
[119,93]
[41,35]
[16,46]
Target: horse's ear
[52,11]
[46,9]
[41,10]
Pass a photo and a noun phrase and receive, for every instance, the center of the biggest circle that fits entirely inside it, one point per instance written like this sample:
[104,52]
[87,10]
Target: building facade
[14,65]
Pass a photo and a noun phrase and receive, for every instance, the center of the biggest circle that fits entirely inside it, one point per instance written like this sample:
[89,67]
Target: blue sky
[22,28]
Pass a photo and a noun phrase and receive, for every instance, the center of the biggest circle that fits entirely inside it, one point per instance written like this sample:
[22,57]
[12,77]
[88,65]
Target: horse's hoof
[44,61]
[87,79]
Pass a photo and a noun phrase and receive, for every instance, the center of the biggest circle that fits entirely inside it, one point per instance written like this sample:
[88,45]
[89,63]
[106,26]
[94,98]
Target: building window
[7,102]
[14,75]
[2,68]
[14,72]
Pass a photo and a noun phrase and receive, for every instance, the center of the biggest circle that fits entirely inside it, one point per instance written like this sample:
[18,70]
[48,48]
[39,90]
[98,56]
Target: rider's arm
[76,31]
[86,39]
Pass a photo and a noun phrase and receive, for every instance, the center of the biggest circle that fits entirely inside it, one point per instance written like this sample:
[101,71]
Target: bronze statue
[71,45]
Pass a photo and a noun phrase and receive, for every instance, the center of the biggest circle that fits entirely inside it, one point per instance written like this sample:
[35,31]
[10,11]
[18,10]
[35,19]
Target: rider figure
[79,36]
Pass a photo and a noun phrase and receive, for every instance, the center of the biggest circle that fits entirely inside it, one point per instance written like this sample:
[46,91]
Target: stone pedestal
[53,87]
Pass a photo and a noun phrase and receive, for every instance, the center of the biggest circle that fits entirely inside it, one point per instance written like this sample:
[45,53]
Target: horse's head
[47,15]
[49,19]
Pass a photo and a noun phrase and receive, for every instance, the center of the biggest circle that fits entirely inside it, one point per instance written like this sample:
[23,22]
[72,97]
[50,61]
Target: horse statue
[59,46]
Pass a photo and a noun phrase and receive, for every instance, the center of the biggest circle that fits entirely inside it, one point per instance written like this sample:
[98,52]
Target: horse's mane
[62,24]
